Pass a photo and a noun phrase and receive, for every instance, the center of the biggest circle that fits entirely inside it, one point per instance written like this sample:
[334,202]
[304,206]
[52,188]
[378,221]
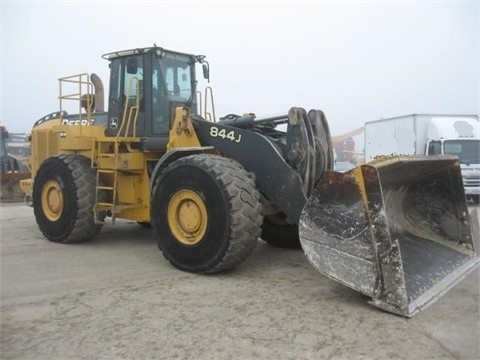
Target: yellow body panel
[133,190]
[123,182]
[45,143]
[124,161]
[51,138]
[182,133]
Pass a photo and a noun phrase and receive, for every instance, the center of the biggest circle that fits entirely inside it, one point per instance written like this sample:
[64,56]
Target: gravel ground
[116,297]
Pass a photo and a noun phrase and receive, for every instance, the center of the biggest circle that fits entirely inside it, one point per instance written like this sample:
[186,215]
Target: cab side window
[434,148]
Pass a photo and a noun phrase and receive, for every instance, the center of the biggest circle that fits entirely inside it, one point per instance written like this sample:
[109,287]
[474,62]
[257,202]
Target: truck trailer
[430,134]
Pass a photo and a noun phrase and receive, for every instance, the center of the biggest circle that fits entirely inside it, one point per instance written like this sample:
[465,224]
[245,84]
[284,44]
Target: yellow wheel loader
[396,229]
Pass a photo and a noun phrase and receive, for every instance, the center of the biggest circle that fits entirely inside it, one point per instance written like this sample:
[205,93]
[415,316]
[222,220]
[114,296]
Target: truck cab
[459,137]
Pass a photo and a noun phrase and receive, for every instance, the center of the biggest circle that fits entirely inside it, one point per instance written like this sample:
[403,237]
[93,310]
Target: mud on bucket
[396,230]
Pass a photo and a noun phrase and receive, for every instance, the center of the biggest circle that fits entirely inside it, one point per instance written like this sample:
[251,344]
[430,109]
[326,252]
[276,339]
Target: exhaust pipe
[99,96]
[396,229]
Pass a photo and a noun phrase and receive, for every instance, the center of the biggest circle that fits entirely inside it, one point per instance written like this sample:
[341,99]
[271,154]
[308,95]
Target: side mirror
[206,71]
[132,65]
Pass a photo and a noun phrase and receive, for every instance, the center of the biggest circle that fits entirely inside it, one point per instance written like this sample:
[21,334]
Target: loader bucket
[9,186]
[396,229]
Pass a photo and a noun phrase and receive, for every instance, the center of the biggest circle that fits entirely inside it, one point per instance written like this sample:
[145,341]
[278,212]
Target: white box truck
[430,134]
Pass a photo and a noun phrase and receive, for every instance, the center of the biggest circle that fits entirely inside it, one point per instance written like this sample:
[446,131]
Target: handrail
[199,102]
[209,116]
[132,110]
[83,93]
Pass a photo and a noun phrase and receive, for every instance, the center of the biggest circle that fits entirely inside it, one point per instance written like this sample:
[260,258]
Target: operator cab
[146,85]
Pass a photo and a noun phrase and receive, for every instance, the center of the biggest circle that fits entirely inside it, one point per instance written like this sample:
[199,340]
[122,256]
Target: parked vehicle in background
[343,166]
[430,134]
[12,170]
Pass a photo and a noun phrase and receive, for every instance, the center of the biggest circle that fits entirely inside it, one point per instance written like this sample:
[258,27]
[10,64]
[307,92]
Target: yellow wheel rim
[52,200]
[187,217]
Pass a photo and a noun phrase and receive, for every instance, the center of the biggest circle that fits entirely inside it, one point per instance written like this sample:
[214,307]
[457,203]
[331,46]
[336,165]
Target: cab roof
[139,51]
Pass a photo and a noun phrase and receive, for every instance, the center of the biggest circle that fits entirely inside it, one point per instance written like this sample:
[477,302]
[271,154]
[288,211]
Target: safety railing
[206,109]
[77,88]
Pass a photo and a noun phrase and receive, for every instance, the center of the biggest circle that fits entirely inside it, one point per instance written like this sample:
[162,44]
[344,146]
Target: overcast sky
[356,61]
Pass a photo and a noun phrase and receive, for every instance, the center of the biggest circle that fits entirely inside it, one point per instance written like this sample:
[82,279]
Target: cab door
[126,107]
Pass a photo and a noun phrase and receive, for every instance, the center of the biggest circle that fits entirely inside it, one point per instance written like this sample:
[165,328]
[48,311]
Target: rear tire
[64,197]
[206,213]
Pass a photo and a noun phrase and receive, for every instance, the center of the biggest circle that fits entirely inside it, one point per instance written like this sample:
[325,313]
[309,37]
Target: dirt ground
[116,297]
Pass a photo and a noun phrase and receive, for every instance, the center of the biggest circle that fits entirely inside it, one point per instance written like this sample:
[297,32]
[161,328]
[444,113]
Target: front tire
[206,213]
[64,197]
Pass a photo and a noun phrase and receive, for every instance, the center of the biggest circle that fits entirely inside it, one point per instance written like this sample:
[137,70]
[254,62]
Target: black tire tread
[84,180]
[246,210]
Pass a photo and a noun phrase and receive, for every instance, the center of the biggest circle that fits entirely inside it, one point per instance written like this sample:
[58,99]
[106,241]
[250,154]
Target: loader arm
[286,166]
[259,155]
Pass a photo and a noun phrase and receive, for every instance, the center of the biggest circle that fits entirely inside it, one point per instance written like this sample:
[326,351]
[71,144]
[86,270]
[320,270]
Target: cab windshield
[172,84]
[468,151]
[176,70]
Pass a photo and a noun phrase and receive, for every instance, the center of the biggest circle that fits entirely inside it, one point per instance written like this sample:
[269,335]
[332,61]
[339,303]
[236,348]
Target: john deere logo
[113,123]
